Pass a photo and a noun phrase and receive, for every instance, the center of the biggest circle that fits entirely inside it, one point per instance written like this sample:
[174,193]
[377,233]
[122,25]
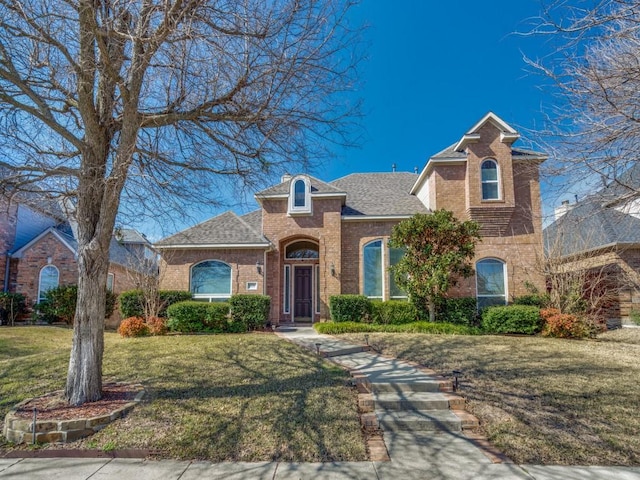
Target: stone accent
[19,430]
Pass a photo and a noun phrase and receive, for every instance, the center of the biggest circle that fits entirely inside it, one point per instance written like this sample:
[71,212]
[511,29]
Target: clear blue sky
[433,70]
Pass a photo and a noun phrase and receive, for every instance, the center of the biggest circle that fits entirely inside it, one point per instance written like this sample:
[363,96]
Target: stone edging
[20,430]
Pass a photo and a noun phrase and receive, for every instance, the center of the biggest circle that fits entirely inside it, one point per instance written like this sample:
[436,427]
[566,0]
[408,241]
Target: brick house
[312,239]
[38,250]
[600,235]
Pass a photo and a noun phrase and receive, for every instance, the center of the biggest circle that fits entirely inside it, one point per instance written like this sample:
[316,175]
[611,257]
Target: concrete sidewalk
[441,455]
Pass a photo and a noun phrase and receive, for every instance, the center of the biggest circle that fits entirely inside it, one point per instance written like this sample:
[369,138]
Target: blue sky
[433,70]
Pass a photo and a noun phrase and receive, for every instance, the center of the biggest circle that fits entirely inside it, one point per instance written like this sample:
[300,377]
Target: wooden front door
[303,294]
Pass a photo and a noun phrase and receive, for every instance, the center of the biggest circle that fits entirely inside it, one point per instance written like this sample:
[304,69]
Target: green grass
[541,400]
[442,328]
[244,397]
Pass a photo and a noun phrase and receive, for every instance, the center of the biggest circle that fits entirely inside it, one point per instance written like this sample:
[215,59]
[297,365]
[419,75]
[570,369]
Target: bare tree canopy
[152,100]
[594,128]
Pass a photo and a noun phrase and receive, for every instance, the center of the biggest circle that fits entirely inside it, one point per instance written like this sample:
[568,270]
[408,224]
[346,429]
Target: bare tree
[147,100]
[594,63]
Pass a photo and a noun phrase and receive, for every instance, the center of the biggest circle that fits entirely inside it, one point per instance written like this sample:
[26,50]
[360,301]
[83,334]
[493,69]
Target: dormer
[300,196]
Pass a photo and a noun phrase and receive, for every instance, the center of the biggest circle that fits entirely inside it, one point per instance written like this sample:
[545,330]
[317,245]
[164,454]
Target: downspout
[5,287]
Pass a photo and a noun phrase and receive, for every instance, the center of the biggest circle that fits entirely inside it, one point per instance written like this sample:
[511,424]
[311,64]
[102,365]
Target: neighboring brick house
[310,239]
[38,250]
[601,235]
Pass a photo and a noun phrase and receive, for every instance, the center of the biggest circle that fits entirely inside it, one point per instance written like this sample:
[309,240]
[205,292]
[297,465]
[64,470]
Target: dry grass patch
[541,400]
[229,397]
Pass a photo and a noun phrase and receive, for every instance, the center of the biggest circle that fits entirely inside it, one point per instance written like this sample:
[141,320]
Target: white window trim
[306,208]
[383,265]
[113,281]
[40,280]
[504,276]
[212,296]
[293,242]
[252,286]
[496,181]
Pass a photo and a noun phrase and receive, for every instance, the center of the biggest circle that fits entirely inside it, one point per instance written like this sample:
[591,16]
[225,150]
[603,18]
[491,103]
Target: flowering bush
[133,327]
[549,312]
[564,325]
[157,325]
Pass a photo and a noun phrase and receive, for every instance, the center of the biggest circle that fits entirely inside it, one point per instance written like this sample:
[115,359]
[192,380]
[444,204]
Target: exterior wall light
[332,270]
[259,267]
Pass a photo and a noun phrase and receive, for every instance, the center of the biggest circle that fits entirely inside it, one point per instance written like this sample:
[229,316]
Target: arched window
[303,249]
[490,282]
[372,269]
[490,184]
[300,196]
[211,279]
[49,278]
[299,191]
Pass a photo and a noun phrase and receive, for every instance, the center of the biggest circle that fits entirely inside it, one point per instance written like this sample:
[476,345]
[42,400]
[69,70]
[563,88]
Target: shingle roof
[379,194]
[129,235]
[225,229]
[517,153]
[317,186]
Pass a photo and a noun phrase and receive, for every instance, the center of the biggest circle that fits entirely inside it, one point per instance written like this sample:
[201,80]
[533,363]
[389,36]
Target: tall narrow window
[490,184]
[211,279]
[49,278]
[395,254]
[490,282]
[372,269]
[300,196]
[110,279]
[299,190]
[287,289]
[317,288]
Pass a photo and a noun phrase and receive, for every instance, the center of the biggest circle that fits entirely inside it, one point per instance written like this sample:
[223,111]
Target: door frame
[293,290]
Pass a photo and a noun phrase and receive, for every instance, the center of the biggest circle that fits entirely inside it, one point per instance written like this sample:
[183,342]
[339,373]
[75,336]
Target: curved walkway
[415,454]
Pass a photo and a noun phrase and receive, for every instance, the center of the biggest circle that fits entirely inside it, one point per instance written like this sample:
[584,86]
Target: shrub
[157,325]
[133,327]
[131,302]
[192,316]
[12,305]
[512,319]
[533,300]
[59,304]
[349,308]
[335,328]
[634,316]
[459,311]
[565,325]
[252,311]
[393,312]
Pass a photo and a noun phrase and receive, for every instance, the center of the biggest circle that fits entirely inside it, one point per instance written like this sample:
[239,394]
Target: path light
[318,348]
[456,374]
[366,338]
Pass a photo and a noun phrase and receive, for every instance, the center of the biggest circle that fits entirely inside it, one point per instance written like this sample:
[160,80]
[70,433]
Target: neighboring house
[601,234]
[311,239]
[38,250]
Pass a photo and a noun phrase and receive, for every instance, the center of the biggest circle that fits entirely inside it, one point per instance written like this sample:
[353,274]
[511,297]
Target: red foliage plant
[157,325]
[133,327]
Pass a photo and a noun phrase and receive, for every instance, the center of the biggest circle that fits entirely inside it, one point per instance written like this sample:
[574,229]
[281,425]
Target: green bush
[349,308]
[393,312]
[12,305]
[131,302]
[533,300]
[252,311]
[634,316]
[191,317]
[512,319]
[440,328]
[459,311]
[59,304]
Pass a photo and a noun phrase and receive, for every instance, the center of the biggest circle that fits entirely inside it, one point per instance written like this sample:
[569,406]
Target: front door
[302,294]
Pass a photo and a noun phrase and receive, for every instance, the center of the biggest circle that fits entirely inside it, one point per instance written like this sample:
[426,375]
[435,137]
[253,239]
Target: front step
[416,401]
[422,385]
[418,421]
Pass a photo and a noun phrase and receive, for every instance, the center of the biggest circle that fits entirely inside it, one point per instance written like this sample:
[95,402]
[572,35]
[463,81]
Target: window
[287,289]
[110,279]
[211,279]
[395,254]
[490,282]
[317,288]
[49,278]
[252,285]
[301,250]
[300,196]
[489,175]
[372,269]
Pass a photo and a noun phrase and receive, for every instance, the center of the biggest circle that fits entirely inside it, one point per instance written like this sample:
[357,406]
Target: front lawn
[541,400]
[244,397]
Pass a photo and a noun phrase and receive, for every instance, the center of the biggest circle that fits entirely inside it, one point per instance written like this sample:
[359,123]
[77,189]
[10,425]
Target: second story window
[490,183]
[300,196]
[299,193]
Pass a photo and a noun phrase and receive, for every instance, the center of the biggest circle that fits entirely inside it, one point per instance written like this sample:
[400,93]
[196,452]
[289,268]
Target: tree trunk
[432,310]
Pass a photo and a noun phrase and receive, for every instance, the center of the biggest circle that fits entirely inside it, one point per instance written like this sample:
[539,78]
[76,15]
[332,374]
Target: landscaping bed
[541,400]
[248,397]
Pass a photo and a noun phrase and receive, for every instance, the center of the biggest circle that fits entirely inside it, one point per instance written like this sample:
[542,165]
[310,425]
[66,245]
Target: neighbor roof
[380,194]
[225,229]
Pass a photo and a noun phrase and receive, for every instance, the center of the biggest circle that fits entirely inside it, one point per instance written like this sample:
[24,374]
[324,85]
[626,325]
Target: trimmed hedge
[192,317]
[512,319]
[12,305]
[459,311]
[393,312]
[131,302]
[349,308]
[533,299]
[250,311]
[59,304]
[440,328]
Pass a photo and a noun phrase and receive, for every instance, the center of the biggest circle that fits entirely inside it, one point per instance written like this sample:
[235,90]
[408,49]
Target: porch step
[343,351]
[418,420]
[416,401]
[422,385]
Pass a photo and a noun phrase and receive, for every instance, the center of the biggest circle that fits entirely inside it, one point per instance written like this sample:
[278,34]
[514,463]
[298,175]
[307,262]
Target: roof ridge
[245,223]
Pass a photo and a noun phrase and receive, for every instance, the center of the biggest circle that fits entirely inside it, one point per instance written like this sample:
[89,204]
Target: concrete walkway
[414,454]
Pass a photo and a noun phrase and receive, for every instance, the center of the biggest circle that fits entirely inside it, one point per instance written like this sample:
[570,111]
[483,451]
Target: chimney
[415,169]
[563,209]
[285,178]
[393,167]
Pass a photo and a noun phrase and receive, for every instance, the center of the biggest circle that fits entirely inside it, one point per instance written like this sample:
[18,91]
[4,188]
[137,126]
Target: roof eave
[214,246]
